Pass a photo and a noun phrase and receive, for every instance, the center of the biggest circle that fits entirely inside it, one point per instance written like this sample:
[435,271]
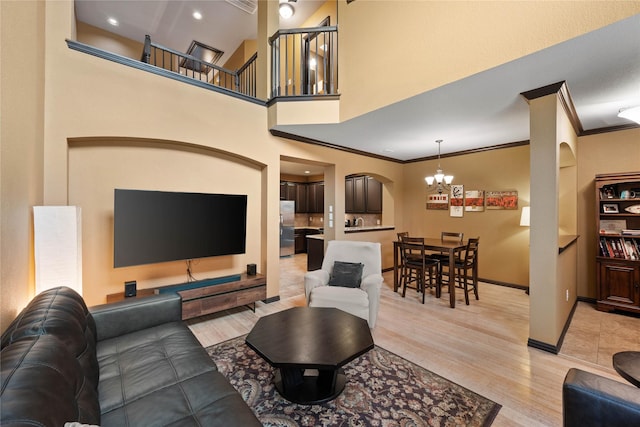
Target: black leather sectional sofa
[132,363]
[590,400]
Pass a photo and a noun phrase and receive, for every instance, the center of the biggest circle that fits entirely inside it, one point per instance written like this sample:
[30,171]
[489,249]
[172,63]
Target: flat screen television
[158,226]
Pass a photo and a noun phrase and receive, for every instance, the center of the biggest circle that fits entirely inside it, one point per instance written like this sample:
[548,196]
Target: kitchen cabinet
[618,251]
[301,199]
[309,197]
[287,190]
[301,238]
[315,197]
[315,253]
[374,195]
[300,241]
[363,194]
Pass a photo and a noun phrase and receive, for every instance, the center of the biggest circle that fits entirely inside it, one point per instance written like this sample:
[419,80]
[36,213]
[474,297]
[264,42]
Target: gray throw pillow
[346,274]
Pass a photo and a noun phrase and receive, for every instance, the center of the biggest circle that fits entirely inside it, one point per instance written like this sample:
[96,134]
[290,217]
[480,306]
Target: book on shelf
[630,232]
[619,247]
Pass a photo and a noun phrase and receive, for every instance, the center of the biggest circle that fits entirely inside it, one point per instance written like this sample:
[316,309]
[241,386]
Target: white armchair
[363,301]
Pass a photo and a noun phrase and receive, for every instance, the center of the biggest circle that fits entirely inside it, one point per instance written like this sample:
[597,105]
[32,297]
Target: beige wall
[110,42]
[242,54]
[97,167]
[449,40]
[75,108]
[503,254]
[598,154]
[21,138]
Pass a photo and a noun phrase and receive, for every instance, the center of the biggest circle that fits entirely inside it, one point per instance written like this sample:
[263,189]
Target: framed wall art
[456,205]
[502,200]
[474,200]
[438,202]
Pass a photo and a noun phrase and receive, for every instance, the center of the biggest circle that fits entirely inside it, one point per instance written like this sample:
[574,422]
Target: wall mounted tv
[159,226]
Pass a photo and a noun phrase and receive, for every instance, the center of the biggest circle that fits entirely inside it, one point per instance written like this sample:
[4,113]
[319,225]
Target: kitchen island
[315,244]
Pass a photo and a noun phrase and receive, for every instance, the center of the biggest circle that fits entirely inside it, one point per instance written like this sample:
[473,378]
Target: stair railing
[242,81]
[304,61]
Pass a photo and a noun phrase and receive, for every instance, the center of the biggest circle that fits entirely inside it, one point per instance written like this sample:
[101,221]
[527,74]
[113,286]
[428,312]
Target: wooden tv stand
[204,300]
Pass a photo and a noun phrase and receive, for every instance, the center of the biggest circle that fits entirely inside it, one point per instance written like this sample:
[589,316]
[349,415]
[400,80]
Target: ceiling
[601,69]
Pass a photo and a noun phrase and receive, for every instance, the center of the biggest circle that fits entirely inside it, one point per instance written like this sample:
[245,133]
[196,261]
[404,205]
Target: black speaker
[251,270]
[130,289]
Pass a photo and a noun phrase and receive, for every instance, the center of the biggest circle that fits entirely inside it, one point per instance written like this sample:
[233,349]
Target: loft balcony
[303,80]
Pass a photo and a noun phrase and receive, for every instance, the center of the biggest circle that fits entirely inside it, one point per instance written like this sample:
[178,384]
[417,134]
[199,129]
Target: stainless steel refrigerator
[287,239]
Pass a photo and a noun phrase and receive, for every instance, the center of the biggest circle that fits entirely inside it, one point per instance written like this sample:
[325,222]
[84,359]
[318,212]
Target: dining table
[438,245]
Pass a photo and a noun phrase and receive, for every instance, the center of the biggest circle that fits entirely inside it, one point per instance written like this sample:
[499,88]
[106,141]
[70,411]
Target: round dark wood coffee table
[308,346]
[627,364]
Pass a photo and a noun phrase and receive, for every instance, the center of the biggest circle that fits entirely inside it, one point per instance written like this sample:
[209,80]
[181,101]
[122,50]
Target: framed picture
[438,202]
[609,208]
[474,201]
[608,192]
[502,199]
[456,204]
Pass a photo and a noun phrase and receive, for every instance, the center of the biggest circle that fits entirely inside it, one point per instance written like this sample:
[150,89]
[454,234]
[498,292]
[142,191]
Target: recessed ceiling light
[113,21]
[632,114]
[197,15]
[286,10]
[307,171]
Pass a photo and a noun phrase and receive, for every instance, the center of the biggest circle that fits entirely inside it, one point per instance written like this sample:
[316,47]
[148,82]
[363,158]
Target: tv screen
[159,226]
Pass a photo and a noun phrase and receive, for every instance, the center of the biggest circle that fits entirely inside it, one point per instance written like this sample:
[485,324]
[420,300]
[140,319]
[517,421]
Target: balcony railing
[304,61]
[242,81]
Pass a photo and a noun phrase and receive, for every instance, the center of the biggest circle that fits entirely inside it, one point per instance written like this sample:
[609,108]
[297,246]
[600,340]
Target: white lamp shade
[448,179]
[524,217]
[57,247]
[429,180]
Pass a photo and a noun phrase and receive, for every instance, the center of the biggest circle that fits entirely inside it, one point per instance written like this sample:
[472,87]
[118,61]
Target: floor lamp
[57,247]
[525,221]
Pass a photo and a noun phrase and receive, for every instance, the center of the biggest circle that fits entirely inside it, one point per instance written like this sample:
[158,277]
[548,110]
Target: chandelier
[440,180]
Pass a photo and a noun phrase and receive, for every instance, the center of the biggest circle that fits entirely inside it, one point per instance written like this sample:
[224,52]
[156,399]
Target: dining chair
[465,281]
[443,257]
[416,266]
[402,269]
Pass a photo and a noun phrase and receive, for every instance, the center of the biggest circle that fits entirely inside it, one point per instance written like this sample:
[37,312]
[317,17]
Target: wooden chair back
[451,236]
[471,253]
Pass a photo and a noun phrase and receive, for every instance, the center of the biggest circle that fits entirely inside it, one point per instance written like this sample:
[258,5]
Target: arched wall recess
[98,165]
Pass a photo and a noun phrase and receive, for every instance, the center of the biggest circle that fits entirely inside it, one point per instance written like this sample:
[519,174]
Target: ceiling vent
[249,6]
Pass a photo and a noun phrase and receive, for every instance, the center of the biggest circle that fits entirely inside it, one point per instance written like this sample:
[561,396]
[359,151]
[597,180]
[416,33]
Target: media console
[208,296]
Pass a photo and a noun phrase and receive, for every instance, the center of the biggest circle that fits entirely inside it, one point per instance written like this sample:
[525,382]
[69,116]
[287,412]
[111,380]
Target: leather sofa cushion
[164,367]
[590,400]
[61,312]
[42,384]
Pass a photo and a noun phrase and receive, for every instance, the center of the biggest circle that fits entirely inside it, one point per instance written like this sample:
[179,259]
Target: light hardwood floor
[482,347]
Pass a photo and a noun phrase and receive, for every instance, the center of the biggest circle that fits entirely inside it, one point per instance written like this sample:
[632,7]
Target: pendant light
[440,180]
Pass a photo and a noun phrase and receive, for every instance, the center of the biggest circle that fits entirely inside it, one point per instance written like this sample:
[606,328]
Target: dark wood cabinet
[300,239]
[363,194]
[315,253]
[374,195]
[287,190]
[309,197]
[618,236]
[619,285]
[316,197]
[302,204]
[348,195]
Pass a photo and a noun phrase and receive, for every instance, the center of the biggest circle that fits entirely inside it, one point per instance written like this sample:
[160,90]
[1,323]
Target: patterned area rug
[382,389]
